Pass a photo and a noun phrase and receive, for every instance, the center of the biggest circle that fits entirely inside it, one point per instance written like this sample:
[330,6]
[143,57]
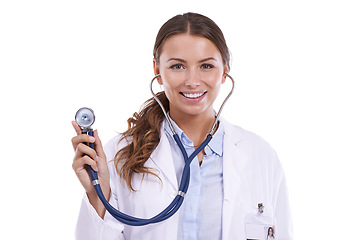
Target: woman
[270,235]
[139,170]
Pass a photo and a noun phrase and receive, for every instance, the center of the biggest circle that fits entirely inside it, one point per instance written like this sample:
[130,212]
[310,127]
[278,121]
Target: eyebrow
[184,61]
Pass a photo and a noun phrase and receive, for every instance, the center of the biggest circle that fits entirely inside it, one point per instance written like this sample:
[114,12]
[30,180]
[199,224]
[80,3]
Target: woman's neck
[196,127]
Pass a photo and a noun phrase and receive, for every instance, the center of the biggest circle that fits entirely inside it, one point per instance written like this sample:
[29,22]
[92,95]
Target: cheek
[216,90]
[169,88]
[213,77]
[216,83]
[171,81]
[169,84]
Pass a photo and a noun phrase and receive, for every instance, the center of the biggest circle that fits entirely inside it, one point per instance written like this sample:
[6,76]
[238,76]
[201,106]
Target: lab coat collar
[234,162]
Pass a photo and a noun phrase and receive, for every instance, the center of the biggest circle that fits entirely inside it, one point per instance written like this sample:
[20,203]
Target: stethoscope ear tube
[224,102]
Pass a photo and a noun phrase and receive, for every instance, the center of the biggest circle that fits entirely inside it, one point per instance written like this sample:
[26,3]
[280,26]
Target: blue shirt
[201,212]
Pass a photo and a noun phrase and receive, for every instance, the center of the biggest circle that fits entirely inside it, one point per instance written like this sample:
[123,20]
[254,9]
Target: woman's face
[191,69]
[270,232]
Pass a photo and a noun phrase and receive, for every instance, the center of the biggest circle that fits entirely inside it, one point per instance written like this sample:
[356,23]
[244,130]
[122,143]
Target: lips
[193,95]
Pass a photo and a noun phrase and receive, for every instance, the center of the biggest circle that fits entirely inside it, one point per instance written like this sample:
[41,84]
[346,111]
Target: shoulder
[256,151]
[249,144]
[238,134]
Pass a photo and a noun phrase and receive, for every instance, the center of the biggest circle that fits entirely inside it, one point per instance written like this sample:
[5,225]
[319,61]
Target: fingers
[84,155]
[80,163]
[98,145]
[82,138]
[83,150]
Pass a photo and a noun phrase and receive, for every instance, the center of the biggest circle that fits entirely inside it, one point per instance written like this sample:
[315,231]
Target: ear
[225,70]
[157,71]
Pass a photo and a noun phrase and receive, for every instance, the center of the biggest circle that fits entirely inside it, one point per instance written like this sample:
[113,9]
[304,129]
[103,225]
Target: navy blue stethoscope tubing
[173,206]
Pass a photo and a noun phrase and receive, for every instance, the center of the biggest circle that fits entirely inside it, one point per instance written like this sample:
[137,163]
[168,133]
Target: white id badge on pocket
[260,226]
[259,231]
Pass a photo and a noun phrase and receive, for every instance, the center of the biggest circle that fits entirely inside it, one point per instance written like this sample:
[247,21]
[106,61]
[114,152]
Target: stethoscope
[85,118]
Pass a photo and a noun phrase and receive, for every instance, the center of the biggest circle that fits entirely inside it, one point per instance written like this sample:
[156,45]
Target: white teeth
[193,95]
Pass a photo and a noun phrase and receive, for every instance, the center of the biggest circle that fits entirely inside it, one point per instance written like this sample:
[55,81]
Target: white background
[295,67]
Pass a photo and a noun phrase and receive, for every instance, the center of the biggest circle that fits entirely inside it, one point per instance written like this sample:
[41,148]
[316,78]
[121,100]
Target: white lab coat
[252,174]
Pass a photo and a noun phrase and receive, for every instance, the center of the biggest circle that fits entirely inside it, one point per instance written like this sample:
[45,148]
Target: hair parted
[144,127]
[194,24]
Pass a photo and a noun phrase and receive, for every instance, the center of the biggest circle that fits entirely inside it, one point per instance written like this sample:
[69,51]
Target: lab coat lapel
[161,159]
[234,161]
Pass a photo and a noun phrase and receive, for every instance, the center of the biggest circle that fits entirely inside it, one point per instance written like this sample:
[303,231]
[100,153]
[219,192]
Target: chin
[195,111]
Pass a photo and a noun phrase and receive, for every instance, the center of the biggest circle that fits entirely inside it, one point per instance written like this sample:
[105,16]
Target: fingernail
[91,139]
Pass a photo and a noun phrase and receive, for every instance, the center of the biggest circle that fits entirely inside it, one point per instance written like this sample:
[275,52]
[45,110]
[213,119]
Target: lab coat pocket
[260,225]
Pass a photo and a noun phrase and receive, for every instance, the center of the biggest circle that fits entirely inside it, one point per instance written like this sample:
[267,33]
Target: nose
[193,78]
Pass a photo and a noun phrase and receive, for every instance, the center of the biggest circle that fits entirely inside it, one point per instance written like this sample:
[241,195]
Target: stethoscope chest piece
[85,117]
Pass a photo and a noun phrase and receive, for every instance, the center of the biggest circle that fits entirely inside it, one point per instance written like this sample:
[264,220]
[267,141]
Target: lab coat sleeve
[92,227]
[89,225]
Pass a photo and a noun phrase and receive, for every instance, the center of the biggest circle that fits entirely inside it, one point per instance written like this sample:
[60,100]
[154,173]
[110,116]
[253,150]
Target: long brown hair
[143,131]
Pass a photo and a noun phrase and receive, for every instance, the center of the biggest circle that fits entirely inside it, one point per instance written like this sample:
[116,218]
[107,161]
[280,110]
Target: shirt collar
[215,145]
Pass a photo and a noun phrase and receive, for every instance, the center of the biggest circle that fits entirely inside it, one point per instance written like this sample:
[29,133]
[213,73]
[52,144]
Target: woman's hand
[84,155]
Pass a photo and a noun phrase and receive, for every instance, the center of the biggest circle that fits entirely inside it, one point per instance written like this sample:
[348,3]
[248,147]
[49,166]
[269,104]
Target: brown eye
[177,66]
[207,66]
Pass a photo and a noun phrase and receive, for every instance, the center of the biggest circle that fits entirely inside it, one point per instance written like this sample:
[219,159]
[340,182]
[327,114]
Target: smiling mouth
[193,95]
